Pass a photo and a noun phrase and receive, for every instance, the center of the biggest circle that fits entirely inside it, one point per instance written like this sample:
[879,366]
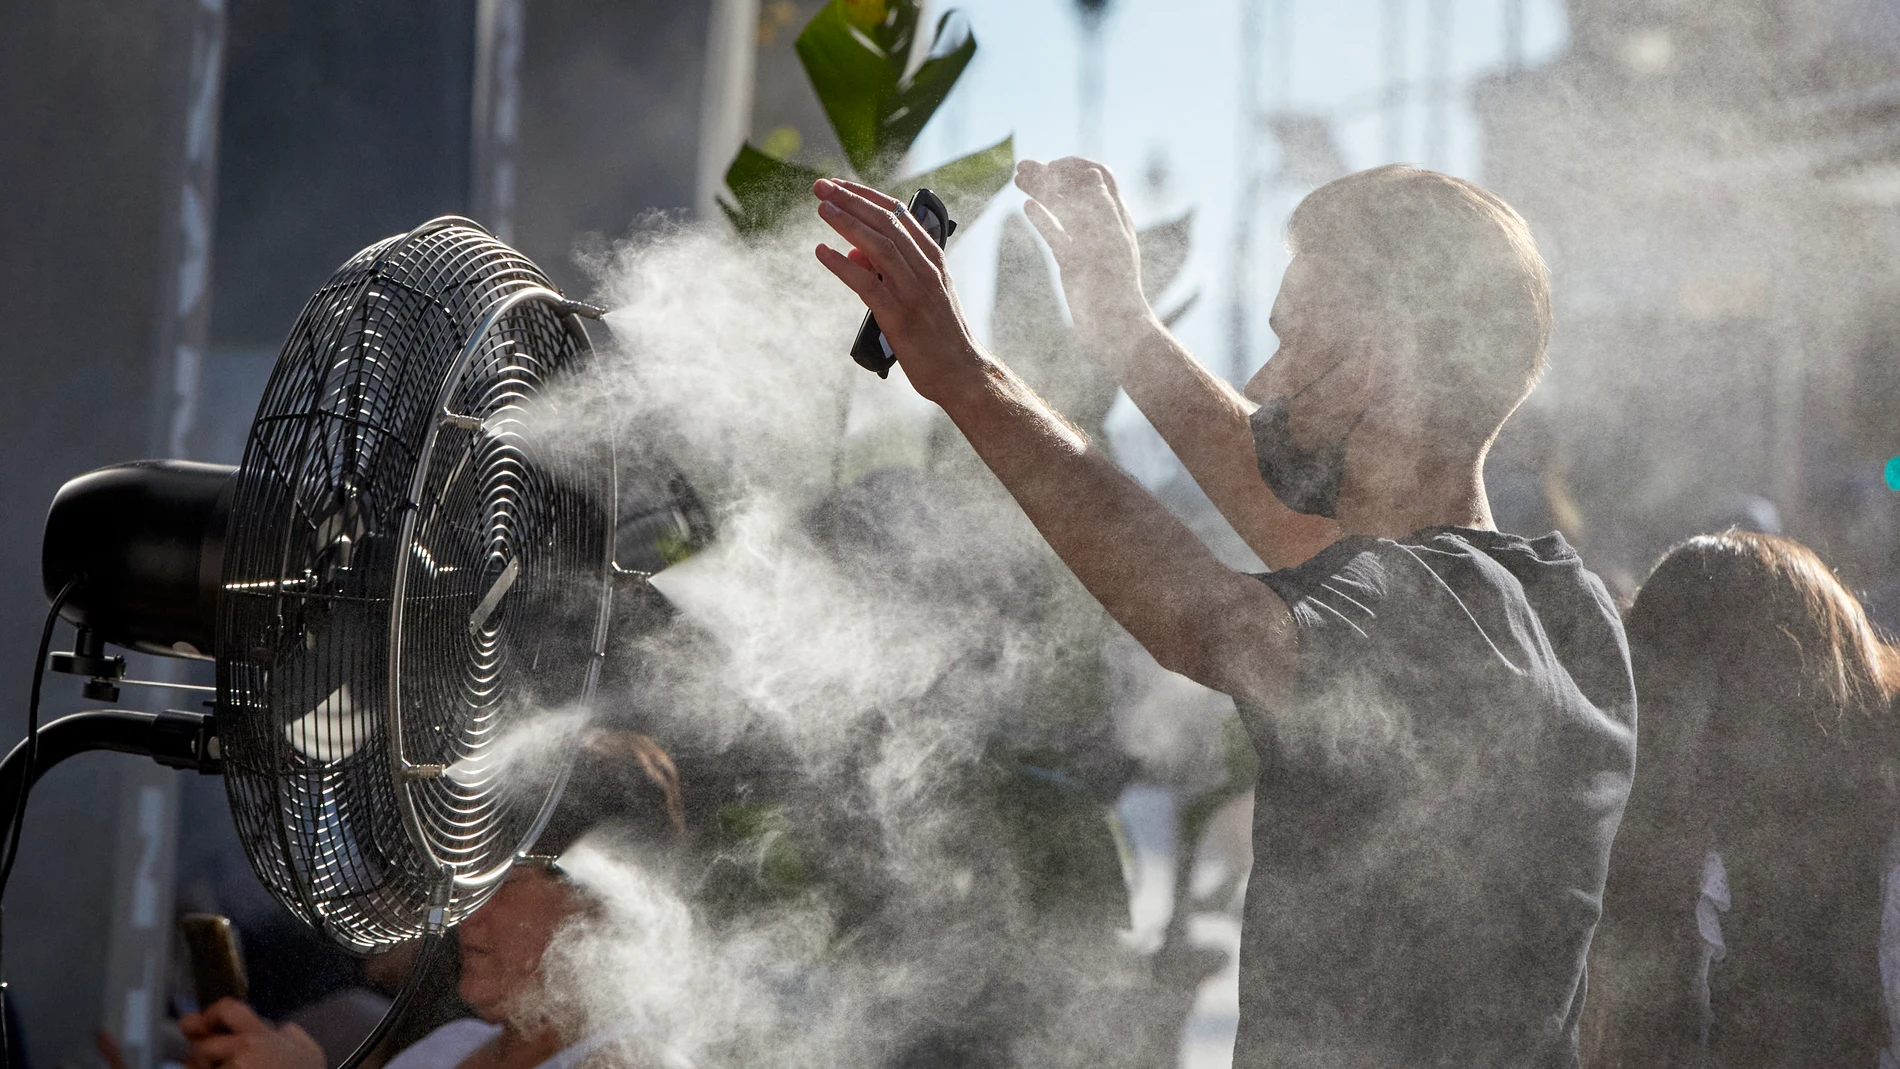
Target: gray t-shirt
[1434,810]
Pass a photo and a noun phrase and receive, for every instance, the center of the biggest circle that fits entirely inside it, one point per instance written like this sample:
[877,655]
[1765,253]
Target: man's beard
[1305,480]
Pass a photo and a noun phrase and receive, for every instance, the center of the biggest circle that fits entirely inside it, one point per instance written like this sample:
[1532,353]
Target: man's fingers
[885,214]
[1030,176]
[229,1015]
[1114,190]
[1082,174]
[875,196]
[1048,226]
[1072,184]
[1082,195]
[885,202]
[1041,181]
[862,280]
[885,253]
[213,1051]
[905,239]
[1047,182]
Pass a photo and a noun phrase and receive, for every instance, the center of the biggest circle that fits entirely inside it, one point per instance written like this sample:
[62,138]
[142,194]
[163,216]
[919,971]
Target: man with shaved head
[1443,712]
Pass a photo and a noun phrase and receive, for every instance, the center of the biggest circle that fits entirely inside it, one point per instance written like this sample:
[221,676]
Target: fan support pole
[172,738]
[182,740]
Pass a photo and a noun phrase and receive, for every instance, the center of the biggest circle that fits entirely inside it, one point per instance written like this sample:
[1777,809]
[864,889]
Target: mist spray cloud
[877,638]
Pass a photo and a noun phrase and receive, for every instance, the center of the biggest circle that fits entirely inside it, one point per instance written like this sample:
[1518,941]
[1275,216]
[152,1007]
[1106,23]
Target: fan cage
[416,574]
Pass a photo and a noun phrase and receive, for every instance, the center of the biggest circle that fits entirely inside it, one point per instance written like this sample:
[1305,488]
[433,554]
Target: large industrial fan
[406,568]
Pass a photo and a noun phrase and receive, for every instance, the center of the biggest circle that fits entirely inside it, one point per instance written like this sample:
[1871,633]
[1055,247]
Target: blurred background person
[1742,920]
[624,786]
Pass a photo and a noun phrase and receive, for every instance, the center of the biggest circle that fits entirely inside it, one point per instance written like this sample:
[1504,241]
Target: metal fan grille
[411,575]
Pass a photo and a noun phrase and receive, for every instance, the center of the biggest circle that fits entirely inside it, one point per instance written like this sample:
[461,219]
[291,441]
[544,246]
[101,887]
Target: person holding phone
[623,782]
[1443,711]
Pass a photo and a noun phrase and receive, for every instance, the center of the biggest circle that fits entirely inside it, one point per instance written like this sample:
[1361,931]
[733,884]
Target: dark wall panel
[92,104]
[344,121]
[610,114]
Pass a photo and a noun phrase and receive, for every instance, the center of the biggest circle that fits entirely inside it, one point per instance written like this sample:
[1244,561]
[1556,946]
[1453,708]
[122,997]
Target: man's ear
[1383,385]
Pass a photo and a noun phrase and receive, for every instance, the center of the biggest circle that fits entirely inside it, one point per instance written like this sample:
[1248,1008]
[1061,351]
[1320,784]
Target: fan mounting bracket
[89,658]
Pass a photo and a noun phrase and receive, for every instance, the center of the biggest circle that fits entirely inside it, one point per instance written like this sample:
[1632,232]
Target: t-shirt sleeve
[1336,597]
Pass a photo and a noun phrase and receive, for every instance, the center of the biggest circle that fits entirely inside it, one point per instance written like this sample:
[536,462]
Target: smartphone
[216,969]
[870,349]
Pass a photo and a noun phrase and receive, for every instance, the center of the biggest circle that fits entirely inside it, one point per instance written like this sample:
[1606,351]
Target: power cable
[26,784]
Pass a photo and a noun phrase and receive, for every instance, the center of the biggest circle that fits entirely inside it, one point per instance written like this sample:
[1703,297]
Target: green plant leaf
[856,53]
[765,189]
[1243,767]
[1027,329]
[866,15]
[854,81]
[918,99]
[967,183]
[892,24]
[1164,251]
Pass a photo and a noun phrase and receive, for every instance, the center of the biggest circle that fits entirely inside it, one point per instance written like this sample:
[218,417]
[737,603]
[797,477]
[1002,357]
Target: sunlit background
[1185,102]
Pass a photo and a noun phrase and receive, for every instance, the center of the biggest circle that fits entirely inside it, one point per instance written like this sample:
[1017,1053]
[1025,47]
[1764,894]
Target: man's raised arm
[1203,419]
[1154,576]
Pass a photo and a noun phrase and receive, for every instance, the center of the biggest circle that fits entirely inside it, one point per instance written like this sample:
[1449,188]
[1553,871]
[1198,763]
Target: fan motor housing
[148,537]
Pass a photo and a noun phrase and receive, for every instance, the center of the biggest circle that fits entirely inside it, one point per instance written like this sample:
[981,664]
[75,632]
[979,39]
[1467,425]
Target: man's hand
[1195,615]
[1077,208]
[109,1050]
[229,1035]
[898,272]
[1204,420]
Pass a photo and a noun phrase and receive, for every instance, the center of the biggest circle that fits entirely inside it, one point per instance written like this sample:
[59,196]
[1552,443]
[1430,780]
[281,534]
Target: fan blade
[329,732]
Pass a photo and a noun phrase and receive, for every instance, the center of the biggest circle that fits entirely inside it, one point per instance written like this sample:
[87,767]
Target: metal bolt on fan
[399,573]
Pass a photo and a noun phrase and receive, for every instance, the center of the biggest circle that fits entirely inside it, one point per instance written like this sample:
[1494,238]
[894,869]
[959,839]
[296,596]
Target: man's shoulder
[1442,564]
[1446,549]
[1543,577]
[1457,599]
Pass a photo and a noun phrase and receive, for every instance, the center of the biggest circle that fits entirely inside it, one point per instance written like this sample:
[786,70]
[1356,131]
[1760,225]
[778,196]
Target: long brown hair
[1765,732]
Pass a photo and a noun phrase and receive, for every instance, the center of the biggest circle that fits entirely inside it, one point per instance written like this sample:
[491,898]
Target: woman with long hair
[1742,917]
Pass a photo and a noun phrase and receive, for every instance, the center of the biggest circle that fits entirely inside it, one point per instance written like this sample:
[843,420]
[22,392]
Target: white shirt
[1714,901]
[450,1045]
[446,1047]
